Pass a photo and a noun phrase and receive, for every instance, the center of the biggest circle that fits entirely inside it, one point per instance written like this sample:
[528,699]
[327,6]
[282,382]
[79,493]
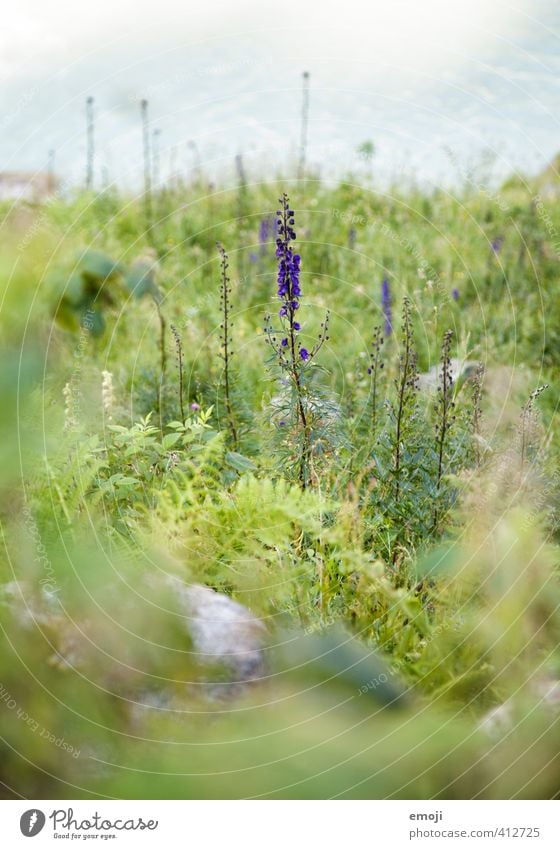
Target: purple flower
[195,406]
[253,257]
[289,290]
[288,348]
[496,244]
[455,294]
[386,307]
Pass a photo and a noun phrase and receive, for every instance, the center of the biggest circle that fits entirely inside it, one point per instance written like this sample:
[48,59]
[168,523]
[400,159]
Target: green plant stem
[227,353]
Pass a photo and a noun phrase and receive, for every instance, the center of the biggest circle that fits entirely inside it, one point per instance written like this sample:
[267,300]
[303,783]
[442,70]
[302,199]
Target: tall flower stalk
[265,232]
[147,165]
[180,368]
[528,426]
[477,412]
[386,307]
[241,210]
[107,394]
[155,176]
[304,124]
[226,353]
[445,416]
[374,369]
[90,123]
[51,170]
[162,355]
[293,357]
[407,385]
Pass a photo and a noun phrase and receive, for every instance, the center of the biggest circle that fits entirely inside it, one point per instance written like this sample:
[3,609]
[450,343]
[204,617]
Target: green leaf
[239,462]
[99,265]
[170,440]
[123,480]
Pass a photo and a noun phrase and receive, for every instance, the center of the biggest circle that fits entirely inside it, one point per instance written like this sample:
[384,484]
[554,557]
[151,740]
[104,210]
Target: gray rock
[223,631]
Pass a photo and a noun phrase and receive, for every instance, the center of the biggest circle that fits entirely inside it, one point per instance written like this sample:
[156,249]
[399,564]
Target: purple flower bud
[455,294]
[304,353]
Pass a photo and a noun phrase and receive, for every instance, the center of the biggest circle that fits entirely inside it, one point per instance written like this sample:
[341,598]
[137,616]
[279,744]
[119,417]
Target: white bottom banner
[275,824]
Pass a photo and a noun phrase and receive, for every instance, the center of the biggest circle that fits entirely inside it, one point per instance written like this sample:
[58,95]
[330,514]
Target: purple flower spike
[264,230]
[267,231]
[386,307]
[289,289]
[455,294]
[292,356]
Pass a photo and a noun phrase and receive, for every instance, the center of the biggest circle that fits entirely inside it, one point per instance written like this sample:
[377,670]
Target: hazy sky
[419,78]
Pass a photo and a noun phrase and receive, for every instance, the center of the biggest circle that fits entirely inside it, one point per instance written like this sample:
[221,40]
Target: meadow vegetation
[338,408]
